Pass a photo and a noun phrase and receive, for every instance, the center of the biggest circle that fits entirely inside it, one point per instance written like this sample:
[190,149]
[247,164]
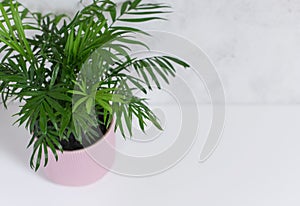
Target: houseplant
[67,70]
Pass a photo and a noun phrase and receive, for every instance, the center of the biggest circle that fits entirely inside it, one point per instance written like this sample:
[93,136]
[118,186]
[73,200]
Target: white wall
[254,44]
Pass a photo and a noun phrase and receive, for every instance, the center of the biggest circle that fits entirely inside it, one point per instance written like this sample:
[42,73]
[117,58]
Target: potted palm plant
[76,80]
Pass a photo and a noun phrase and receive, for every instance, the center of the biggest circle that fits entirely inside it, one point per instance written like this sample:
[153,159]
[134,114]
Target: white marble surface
[257,163]
[254,44]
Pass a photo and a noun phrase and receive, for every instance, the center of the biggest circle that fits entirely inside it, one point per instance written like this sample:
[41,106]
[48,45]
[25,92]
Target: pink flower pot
[85,166]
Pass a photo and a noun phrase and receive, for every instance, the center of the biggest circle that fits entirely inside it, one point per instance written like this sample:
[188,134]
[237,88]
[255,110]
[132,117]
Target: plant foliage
[64,69]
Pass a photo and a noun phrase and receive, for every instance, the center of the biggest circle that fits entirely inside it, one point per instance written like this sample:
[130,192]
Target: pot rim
[108,131]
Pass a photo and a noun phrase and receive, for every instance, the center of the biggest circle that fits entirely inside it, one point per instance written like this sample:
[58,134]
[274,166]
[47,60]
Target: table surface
[256,163]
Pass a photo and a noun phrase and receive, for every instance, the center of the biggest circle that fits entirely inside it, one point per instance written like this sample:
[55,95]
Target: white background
[253,43]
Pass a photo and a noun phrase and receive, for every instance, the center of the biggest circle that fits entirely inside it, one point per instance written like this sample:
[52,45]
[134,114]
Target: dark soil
[72,144]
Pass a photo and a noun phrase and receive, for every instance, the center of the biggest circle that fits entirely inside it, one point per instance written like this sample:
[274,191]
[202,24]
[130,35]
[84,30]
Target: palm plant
[65,71]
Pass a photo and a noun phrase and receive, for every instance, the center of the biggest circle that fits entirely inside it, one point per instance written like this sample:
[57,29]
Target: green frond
[73,69]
